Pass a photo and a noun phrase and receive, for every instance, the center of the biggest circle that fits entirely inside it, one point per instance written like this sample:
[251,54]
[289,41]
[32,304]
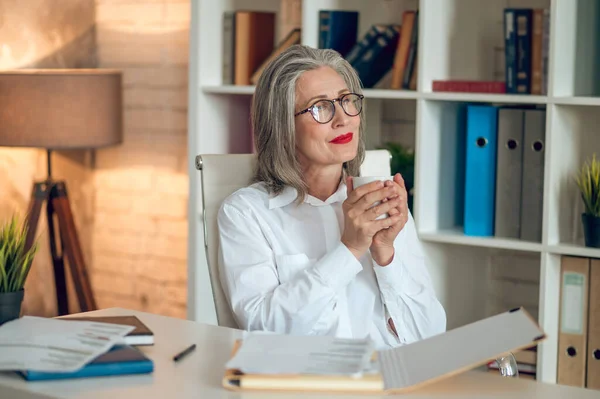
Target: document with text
[286,354]
[54,345]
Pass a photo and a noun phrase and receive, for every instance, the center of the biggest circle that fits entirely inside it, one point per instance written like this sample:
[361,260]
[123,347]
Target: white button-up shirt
[284,269]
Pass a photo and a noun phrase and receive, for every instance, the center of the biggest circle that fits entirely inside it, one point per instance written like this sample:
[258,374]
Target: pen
[184,353]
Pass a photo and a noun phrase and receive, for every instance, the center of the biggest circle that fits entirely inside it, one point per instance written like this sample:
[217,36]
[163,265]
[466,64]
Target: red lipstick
[342,139]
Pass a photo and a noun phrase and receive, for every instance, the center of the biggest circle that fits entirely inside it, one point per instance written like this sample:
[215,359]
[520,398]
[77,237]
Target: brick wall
[38,34]
[139,245]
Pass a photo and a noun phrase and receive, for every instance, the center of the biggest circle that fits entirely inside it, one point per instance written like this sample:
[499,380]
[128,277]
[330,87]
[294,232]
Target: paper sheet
[53,345]
[287,354]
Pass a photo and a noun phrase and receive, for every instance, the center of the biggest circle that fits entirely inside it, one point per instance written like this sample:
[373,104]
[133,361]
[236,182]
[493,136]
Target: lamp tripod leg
[72,247]
[41,194]
[58,263]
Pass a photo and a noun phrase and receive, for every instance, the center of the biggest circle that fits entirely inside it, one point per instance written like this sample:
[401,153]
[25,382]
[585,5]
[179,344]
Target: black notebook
[142,335]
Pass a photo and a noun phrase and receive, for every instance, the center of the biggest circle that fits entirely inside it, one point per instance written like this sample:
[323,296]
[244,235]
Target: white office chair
[221,175]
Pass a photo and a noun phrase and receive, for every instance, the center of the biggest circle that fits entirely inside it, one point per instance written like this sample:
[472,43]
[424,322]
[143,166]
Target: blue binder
[119,360]
[480,174]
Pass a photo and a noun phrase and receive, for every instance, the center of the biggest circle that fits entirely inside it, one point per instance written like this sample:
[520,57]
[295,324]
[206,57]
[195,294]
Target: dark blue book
[524,22]
[120,360]
[368,39]
[378,59]
[338,30]
[510,50]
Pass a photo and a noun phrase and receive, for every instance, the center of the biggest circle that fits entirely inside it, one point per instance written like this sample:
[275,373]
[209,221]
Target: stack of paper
[51,345]
[324,355]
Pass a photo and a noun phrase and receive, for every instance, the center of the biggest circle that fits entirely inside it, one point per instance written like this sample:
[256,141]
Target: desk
[199,375]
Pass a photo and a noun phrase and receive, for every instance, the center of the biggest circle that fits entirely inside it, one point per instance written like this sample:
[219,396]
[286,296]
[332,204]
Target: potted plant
[403,162]
[588,181]
[15,263]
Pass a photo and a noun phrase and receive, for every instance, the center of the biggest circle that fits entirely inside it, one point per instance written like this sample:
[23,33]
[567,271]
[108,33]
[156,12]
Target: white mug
[362,180]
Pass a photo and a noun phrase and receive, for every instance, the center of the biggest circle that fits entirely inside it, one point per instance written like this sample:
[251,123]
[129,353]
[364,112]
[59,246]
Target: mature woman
[301,251]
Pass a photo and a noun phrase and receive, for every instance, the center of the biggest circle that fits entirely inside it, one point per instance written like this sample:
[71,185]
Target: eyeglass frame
[309,109]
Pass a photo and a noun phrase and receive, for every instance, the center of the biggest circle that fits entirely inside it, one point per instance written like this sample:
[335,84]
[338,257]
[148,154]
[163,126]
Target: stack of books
[385,49]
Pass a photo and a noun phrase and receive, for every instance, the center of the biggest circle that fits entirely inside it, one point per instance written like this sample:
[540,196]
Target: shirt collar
[289,194]
[286,197]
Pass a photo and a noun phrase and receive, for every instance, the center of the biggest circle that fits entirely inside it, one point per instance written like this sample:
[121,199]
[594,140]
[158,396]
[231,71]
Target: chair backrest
[221,175]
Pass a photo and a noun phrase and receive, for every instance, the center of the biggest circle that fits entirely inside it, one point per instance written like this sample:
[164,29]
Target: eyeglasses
[324,110]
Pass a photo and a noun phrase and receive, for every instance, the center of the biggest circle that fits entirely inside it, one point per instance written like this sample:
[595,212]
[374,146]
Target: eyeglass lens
[323,110]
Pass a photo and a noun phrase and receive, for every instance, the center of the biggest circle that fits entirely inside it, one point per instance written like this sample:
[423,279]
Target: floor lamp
[60,109]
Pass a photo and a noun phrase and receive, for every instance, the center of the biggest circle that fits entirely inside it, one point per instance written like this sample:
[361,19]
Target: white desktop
[199,375]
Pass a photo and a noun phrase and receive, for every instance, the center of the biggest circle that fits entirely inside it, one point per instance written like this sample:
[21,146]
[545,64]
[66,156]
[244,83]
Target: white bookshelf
[458,39]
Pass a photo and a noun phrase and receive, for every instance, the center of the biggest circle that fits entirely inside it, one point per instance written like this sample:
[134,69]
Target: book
[525,376]
[545,49]
[469,86]
[338,30]
[378,59]
[412,52]
[228,48]
[510,50]
[537,27]
[403,49]
[527,356]
[367,41]
[141,335]
[253,37]
[523,29]
[395,370]
[119,360]
[292,38]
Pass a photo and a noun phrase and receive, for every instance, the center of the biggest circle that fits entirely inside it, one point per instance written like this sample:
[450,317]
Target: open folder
[391,370]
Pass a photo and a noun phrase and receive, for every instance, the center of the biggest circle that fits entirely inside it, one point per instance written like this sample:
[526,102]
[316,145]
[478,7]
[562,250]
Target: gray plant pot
[591,230]
[10,305]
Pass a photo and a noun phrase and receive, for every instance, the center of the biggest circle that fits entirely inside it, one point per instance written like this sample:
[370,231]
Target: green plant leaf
[588,182]
[15,258]
[3,273]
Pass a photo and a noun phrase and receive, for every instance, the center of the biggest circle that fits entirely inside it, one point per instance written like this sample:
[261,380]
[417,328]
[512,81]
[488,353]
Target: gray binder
[533,175]
[509,173]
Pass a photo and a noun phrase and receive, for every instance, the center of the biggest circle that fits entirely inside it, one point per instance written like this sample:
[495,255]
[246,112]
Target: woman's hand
[360,224]
[382,247]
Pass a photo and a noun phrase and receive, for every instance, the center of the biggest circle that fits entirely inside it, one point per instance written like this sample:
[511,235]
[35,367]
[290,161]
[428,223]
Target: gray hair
[273,122]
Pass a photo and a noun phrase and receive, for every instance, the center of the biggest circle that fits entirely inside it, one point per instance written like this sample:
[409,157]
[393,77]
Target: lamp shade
[60,108]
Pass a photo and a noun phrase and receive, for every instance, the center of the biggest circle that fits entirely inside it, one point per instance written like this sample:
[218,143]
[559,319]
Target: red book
[469,86]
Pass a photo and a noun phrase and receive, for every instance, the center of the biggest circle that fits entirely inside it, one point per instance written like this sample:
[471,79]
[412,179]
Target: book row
[526,43]
[385,51]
